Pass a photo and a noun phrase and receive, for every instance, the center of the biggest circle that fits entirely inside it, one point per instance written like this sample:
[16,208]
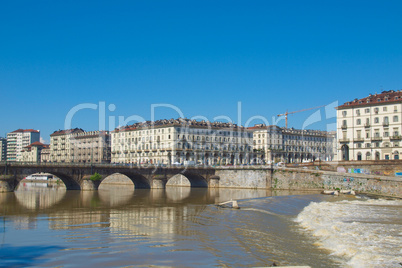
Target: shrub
[96,177]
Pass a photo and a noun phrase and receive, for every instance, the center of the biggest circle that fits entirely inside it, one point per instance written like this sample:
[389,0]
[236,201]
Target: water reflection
[122,226]
[116,195]
[177,193]
[36,196]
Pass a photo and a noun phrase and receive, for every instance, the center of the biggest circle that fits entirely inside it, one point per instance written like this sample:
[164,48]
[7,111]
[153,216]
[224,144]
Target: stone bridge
[76,176]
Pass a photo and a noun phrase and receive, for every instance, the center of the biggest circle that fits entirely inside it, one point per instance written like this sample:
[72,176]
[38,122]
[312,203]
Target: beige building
[182,141]
[78,146]
[370,128]
[32,152]
[19,139]
[291,145]
[45,155]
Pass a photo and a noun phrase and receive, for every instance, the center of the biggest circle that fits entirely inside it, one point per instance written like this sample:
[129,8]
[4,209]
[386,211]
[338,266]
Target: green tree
[96,177]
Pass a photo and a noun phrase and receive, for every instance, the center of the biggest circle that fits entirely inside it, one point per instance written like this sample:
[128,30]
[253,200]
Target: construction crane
[287,113]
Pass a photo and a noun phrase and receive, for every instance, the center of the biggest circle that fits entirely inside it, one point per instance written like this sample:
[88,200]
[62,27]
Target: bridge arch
[139,181]
[187,179]
[69,181]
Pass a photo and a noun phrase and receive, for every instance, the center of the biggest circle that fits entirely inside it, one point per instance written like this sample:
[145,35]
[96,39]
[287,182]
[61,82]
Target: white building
[291,145]
[370,128]
[181,141]
[19,139]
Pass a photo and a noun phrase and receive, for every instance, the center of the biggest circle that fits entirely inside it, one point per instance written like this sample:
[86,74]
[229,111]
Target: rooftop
[25,130]
[178,122]
[67,131]
[384,97]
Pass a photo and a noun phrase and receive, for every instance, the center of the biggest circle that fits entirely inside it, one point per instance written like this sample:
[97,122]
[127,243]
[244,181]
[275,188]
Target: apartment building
[79,146]
[370,128]
[291,145]
[19,139]
[176,141]
[3,149]
[32,152]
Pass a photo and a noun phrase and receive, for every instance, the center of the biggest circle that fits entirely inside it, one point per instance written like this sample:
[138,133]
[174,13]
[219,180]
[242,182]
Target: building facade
[293,145]
[3,149]
[19,139]
[32,152]
[370,128]
[45,155]
[78,146]
[181,141]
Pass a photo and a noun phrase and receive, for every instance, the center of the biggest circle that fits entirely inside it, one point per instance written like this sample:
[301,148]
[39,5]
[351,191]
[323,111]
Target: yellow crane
[287,113]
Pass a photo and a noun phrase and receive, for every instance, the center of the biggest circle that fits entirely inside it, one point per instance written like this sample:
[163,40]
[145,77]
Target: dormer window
[378,99]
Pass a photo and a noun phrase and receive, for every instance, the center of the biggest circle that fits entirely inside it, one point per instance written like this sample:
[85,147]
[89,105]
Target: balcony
[395,137]
[385,124]
[367,125]
[376,138]
[344,140]
[344,126]
[359,139]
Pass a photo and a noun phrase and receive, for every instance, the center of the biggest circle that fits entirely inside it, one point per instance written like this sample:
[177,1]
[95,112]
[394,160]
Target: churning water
[364,233]
[182,227]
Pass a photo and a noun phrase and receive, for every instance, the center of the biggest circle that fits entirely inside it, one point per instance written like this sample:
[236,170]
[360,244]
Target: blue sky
[203,57]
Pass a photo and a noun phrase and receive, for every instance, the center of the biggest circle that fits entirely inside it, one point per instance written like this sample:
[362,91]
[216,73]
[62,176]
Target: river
[119,226]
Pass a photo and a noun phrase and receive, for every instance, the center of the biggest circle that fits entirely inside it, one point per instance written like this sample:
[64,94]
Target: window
[344,113]
[359,145]
[376,110]
[358,121]
[357,112]
[376,120]
[367,110]
[384,109]
[395,118]
[386,134]
[395,108]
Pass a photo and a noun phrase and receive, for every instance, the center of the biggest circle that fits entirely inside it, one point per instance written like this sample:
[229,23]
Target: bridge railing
[125,165]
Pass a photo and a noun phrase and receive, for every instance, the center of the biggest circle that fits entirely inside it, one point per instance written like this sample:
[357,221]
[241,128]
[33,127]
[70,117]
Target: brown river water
[119,226]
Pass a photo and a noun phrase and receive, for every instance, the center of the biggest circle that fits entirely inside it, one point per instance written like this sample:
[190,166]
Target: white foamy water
[364,233]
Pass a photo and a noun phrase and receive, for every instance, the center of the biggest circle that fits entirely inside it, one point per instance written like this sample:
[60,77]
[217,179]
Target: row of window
[367,110]
[395,119]
[377,145]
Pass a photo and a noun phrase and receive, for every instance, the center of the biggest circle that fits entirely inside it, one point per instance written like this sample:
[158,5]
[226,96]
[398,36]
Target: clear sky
[203,57]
